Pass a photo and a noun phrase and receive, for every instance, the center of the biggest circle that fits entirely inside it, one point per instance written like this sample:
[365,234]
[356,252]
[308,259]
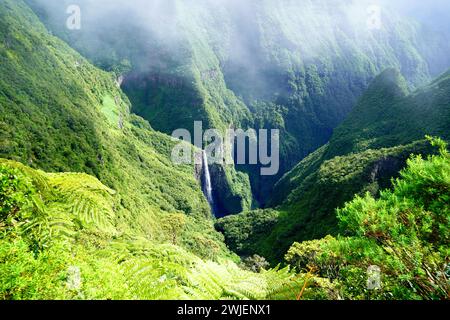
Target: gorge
[88,180]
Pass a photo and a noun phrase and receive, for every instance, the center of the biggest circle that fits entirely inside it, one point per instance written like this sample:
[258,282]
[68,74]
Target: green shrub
[15,195]
[405,232]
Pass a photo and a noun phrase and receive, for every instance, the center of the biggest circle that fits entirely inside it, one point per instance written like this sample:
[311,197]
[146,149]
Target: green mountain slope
[140,229]
[60,240]
[365,152]
[234,64]
[59,113]
[387,116]
[397,244]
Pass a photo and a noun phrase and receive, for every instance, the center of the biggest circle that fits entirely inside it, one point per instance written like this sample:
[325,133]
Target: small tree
[173,225]
[255,263]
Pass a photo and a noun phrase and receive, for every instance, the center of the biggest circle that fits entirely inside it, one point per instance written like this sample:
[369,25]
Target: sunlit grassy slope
[62,238]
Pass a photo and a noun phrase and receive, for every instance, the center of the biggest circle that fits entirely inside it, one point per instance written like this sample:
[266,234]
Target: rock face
[228,201]
[386,168]
[224,200]
[198,167]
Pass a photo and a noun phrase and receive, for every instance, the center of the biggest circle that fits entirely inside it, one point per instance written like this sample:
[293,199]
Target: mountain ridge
[349,164]
[234,62]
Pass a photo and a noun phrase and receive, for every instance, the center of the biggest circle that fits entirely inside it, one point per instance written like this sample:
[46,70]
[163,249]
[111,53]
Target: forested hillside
[59,113]
[139,229]
[403,233]
[298,66]
[365,152]
[92,206]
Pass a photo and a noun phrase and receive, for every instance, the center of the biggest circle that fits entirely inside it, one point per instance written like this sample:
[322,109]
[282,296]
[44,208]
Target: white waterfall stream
[207,186]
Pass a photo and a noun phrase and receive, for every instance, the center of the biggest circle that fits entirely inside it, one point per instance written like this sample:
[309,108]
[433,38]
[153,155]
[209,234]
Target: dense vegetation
[405,233]
[92,207]
[309,210]
[364,153]
[247,63]
[146,219]
[61,114]
[60,238]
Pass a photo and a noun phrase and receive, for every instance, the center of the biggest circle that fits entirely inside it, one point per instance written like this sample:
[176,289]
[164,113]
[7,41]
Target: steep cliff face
[231,191]
[223,63]
[59,113]
[364,154]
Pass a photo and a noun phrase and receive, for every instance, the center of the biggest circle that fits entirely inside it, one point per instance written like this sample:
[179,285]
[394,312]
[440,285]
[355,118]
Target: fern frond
[86,198]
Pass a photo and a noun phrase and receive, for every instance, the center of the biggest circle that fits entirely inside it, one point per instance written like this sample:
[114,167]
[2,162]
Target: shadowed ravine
[94,205]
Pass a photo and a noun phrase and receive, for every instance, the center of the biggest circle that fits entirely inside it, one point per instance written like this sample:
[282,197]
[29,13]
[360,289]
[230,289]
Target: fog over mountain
[309,23]
[96,202]
[236,63]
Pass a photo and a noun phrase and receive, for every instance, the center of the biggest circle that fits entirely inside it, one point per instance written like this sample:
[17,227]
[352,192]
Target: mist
[234,28]
[251,46]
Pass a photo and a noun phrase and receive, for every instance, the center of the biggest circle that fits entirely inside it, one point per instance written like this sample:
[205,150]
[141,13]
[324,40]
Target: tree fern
[62,199]
[86,198]
[79,208]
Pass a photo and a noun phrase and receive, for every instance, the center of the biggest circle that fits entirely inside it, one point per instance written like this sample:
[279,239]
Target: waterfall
[207,187]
